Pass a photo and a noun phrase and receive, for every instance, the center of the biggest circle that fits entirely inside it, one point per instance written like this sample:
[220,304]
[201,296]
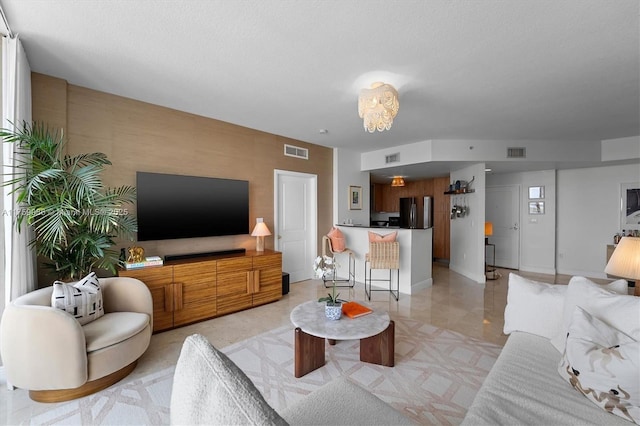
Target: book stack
[354,309]
[148,261]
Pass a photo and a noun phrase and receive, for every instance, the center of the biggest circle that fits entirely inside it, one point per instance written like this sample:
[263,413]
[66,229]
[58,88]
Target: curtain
[19,260]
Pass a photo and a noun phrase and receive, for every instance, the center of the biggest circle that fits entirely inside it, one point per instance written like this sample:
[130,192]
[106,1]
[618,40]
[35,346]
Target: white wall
[588,216]
[582,215]
[537,233]
[467,233]
[346,172]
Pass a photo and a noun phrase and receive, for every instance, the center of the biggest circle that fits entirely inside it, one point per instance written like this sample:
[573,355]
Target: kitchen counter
[416,255]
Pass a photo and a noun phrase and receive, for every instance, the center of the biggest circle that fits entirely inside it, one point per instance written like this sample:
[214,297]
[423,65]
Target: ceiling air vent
[294,151]
[516,152]
[393,158]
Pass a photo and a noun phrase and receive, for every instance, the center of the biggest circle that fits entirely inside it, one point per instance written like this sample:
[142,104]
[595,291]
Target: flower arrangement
[323,266]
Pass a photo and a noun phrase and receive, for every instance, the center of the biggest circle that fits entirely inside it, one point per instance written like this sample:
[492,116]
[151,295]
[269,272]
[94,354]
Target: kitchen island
[415,255]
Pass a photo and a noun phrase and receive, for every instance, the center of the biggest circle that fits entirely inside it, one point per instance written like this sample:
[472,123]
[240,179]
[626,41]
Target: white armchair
[48,352]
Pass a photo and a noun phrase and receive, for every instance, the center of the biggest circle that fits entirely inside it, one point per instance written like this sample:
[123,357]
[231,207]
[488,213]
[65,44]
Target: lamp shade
[625,260]
[260,230]
[397,181]
[488,229]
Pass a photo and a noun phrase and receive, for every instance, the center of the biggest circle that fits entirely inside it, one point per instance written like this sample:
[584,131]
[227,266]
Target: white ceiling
[482,70]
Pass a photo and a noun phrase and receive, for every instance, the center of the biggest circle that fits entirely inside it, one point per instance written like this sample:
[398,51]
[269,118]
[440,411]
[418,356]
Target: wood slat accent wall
[138,136]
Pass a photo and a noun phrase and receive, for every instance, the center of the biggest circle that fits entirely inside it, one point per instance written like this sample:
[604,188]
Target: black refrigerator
[416,212]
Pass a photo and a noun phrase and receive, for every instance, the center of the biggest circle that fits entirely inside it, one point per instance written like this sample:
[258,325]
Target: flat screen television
[176,206]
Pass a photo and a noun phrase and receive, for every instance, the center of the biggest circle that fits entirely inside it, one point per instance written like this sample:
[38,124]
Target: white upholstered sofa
[209,389]
[47,351]
[525,387]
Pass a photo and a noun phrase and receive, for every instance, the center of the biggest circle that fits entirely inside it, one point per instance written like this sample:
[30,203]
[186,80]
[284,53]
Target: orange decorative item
[354,309]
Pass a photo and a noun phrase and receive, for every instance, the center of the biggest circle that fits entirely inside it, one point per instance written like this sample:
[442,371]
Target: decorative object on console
[378,106]
[147,261]
[136,254]
[260,231]
[625,261]
[74,218]
[397,181]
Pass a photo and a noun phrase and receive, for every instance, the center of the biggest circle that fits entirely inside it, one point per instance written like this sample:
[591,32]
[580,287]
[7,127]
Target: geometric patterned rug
[436,375]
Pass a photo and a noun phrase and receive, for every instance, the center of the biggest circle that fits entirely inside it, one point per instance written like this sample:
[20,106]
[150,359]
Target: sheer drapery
[19,261]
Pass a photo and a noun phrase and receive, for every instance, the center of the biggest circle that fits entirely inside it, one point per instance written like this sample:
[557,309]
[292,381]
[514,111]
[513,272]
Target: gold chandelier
[397,181]
[378,106]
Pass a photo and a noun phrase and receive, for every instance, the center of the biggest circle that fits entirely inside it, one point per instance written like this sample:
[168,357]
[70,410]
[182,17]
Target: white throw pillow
[609,303]
[533,307]
[603,364]
[82,299]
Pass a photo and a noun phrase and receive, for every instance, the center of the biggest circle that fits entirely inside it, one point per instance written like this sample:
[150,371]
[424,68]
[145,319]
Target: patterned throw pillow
[83,299]
[603,364]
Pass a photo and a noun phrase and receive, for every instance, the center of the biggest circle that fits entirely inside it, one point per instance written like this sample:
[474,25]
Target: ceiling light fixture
[397,181]
[378,106]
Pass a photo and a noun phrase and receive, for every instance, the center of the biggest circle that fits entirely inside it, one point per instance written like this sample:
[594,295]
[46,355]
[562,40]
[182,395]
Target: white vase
[333,311]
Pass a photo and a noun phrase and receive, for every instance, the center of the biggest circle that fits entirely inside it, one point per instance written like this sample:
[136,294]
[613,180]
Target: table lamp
[488,231]
[625,261]
[259,231]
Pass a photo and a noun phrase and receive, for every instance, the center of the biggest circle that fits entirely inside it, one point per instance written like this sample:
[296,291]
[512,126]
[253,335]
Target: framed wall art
[630,206]
[536,207]
[536,192]
[355,197]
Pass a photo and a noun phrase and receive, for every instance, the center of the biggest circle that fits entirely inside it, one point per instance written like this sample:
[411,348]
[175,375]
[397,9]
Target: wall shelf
[460,191]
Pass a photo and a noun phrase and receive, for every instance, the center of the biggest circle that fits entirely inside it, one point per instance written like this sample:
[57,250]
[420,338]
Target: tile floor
[453,302]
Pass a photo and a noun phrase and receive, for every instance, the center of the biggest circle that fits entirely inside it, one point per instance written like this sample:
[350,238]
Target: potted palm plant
[323,267]
[75,219]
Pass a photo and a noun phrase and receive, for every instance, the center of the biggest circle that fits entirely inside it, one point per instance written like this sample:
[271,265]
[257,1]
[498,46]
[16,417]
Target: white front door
[296,225]
[502,209]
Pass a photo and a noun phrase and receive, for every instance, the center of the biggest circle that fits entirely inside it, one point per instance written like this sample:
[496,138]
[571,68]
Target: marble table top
[310,317]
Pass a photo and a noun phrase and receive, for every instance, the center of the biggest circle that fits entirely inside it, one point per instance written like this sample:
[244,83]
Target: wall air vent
[393,158]
[294,151]
[516,152]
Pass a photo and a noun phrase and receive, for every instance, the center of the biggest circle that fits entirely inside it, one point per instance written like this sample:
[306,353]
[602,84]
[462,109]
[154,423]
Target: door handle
[515,226]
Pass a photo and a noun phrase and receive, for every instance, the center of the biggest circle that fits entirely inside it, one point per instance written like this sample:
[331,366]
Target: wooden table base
[309,350]
[379,349]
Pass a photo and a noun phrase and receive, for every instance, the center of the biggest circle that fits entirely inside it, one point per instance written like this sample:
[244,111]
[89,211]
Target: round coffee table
[375,331]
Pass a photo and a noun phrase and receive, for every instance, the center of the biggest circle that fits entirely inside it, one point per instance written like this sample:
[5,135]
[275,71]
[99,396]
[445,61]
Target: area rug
[436,375]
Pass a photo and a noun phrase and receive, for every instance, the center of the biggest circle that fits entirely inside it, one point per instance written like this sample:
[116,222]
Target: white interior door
[295,214]
[502,209]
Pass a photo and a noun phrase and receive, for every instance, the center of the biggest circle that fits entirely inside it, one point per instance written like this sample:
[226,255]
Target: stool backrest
[326,246]
[384,255]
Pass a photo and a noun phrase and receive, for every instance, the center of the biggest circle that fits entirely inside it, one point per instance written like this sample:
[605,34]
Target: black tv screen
[175,206]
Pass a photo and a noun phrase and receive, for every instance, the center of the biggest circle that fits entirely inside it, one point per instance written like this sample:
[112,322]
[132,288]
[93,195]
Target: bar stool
[382,255]
[327,250]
